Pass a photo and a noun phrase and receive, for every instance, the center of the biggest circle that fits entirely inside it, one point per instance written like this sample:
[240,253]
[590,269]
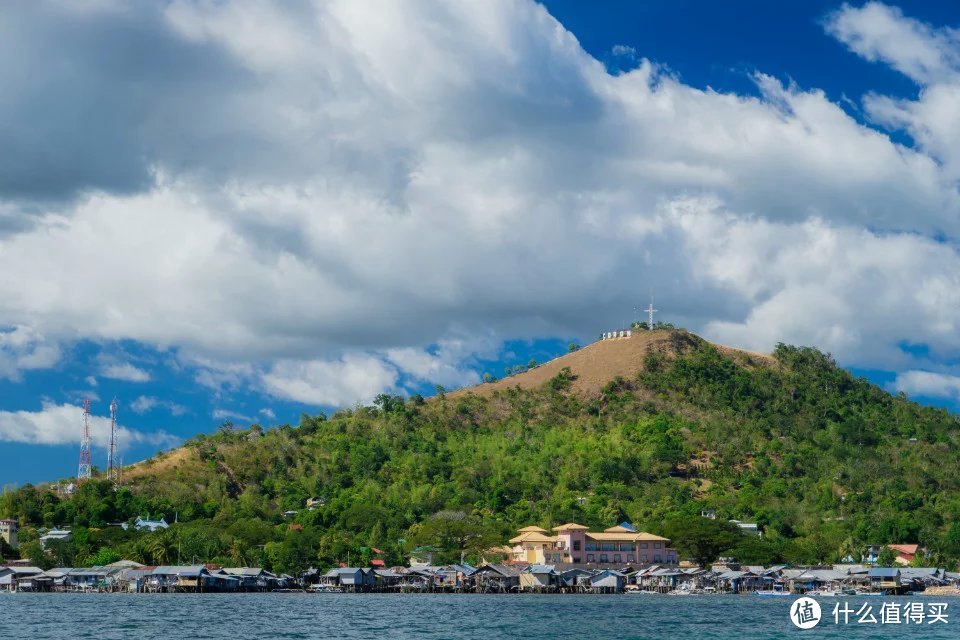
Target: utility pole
[84,469]
[112,451]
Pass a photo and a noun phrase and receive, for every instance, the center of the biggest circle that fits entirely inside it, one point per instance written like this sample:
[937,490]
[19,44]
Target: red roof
[376,551]
[907,549]
[377,562]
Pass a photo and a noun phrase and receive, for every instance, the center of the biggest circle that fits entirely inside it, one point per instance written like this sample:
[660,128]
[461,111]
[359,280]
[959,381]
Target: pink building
[574,544]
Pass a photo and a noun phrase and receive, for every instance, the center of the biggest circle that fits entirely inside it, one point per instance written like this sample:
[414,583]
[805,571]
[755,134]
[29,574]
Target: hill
[654,430]
[598,363]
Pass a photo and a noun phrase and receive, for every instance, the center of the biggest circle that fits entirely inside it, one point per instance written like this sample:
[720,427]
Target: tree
[294,554]
[702,539]
[455,533]
[6,551]
[103,557]
[34,551]
[887,557]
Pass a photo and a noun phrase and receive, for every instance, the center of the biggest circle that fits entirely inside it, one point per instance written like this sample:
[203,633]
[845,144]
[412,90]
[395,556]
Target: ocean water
[425,616]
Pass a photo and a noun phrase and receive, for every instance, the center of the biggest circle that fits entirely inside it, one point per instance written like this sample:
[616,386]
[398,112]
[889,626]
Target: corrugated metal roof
[541,568]
[183,570]
[244,571]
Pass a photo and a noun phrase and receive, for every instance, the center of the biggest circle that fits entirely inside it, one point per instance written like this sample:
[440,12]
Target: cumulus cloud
[928,384]
[879,32]
[124,371]
[144,404]
[23,348]
[351,379]
[62,424]
[449,364]
[291,209]
[928,55]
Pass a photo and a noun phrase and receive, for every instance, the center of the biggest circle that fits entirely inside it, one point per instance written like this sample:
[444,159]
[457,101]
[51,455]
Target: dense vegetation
[824,462]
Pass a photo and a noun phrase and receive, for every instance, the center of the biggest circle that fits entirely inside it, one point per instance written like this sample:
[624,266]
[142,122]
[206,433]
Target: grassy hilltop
[651,429]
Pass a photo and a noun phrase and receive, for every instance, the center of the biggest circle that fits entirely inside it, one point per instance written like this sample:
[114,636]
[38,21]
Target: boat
[326,589]
[777,590]
[822,593]
[873,594]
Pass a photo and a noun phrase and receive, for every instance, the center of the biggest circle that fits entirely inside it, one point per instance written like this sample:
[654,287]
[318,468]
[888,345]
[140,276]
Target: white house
[54,534]
[150,525]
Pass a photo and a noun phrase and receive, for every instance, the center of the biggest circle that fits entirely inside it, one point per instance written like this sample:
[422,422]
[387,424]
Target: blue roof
[628,526]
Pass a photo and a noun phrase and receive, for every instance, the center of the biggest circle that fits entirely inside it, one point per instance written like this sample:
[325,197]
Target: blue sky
[246,211]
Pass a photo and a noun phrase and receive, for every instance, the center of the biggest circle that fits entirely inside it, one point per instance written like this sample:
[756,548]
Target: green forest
[824,462]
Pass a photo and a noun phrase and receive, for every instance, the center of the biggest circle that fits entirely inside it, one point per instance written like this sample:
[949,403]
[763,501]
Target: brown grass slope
[600,362]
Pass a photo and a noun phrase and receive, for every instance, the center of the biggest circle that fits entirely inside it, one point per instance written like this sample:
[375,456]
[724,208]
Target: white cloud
[144,404]
[879,32]
[928,55]
[267,413]
[124,371]
[295,210]
[227,414]
[90,380]
[23,348]
[58,424]
[448,365]
[928,384]
[351,379]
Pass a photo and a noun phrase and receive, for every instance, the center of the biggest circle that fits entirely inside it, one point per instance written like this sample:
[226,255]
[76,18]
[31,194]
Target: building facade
[573,543]
[8,531]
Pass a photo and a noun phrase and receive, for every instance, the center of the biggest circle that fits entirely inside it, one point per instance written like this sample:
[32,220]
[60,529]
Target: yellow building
[575,544]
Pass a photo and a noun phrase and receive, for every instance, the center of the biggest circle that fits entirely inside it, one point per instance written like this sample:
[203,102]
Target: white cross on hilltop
[650,310]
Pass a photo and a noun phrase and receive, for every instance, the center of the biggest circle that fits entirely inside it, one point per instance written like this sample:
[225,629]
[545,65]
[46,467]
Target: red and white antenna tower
[112,451]
[84,470]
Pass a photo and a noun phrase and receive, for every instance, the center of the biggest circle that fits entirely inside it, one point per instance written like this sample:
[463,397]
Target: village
[617,560]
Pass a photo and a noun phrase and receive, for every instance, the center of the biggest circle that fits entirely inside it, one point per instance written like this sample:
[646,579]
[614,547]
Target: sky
[243,211]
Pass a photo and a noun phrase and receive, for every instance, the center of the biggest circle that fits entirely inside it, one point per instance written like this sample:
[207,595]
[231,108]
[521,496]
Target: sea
[455,616]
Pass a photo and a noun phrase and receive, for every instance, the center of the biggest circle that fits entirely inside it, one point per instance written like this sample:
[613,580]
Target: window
[576,559]
[604,558]
[629,557]
[591,546]
[626,547]
[656,558]
[617,557]
[656,545]
[576,545]
[643,558]
[643,545]
[608,546]
[589,557]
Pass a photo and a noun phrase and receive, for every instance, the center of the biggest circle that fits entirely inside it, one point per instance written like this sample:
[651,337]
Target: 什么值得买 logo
[805,613]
